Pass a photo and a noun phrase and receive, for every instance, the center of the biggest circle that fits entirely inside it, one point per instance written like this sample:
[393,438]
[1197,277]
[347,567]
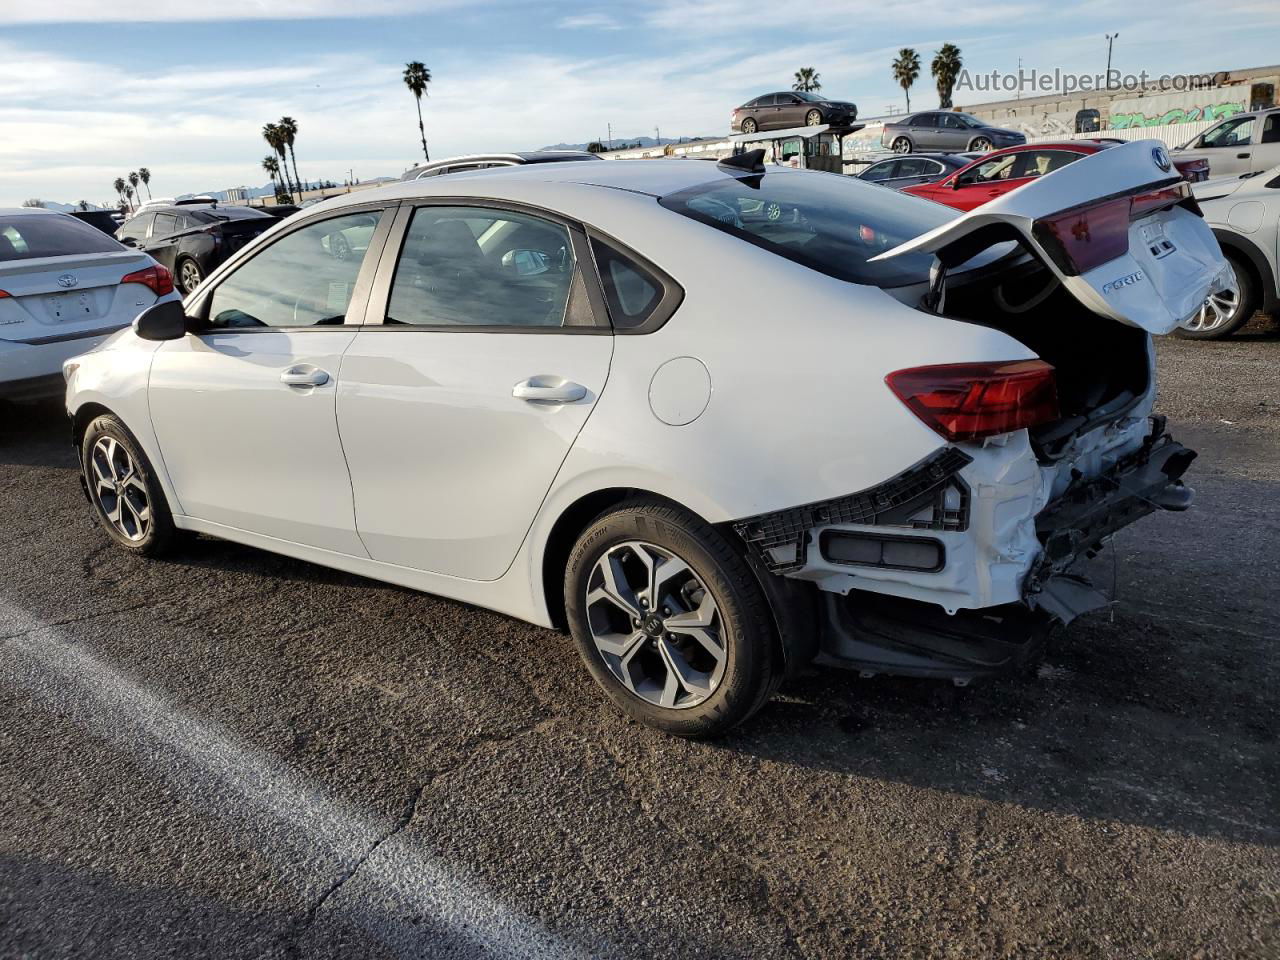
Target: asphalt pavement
[231,754]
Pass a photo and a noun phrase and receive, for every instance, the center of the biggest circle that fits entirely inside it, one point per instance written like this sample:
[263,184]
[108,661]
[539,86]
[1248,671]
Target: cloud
[15,12]
[589,21]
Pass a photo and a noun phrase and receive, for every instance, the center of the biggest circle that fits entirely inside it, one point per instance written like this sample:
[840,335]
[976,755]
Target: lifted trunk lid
[1119,229]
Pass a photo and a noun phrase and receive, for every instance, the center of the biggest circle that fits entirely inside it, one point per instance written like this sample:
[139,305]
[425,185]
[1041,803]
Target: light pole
[1111,38]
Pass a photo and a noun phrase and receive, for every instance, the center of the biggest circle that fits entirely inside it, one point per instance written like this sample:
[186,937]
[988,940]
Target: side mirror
[128,241]
[955,183]
[161,321]
[525,263]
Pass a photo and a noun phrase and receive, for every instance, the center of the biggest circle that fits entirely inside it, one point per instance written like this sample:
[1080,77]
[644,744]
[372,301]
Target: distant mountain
[67,207]
[629,141]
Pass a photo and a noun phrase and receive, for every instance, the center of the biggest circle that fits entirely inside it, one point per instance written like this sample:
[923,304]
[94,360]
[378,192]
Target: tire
[749,125]
[712,592]
[813,118]
[189,275]
[902,145]
[1220,316]
[980,145]
[126,498]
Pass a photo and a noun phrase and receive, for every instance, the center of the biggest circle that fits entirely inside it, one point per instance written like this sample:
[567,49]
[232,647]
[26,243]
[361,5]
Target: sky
[92,89]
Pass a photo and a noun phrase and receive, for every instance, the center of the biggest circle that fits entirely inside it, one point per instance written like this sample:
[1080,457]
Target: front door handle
[305,375]
[1242,156]
[548,390]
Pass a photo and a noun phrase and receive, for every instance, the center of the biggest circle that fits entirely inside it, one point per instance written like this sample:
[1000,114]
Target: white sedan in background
[64,287]
[715,445]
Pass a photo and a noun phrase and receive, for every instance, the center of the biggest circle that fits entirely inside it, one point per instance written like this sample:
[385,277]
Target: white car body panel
[448,468]
[217,411]
[437,408]
[1156,291]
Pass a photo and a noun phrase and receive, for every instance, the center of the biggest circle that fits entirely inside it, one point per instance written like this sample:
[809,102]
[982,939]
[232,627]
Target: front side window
[1041,162]
[916,167]
[831,224]
[992,171]
[481,267]
[880,171]
[304,279]
[1234,133]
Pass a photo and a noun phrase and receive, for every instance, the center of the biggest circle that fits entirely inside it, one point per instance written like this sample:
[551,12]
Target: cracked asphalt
[231,754]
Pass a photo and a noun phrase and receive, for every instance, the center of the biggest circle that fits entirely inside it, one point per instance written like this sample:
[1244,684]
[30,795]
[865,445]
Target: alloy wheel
[1216,311]
[341,248]
[812,118]
[748,126]
[119,489]
[656,625]
[902,145]
[981,145]
[189,276]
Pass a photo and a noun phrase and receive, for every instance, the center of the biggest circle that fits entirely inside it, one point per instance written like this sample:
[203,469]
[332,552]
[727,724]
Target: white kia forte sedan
[718,421]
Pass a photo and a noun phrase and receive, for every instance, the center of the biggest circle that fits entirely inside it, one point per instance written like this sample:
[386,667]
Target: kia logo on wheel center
[67,280]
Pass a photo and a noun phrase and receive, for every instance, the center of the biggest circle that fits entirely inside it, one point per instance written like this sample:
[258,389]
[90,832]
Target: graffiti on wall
[1212,111]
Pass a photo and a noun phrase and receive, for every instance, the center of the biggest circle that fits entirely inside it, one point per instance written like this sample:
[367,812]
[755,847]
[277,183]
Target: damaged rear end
[958,566]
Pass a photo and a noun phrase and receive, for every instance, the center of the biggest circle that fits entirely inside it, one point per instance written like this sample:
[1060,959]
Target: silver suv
[1245,143]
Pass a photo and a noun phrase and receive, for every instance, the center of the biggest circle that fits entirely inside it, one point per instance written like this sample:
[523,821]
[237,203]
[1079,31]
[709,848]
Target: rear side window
[631,292]
[40,235]
[831,224]
[137,227]
[166,223]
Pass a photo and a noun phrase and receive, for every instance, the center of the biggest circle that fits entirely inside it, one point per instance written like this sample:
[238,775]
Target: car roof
[25,211]
[653,177]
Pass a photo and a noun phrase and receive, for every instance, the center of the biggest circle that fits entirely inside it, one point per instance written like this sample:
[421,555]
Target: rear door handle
[1242,156]
[549,390]
[305,375]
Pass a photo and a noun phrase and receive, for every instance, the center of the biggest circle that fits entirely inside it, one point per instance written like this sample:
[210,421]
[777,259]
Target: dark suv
[192,239]
[791,108]
[945,131]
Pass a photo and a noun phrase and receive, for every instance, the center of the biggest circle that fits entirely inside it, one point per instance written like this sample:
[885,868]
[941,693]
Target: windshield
[29,236]
[967,121]
[225,213]
[827,222]
[811,97]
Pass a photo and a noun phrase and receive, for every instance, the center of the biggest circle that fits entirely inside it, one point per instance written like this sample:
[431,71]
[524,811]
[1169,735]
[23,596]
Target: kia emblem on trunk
[67,280]
[1161,158]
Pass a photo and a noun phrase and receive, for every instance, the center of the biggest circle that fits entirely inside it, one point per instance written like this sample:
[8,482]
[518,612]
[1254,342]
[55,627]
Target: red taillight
[156,277]
[1086,237]
[968,401]
[3,294]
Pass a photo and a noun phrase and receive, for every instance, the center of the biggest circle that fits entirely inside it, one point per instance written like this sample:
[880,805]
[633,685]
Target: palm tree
[133,182]
[128,195]
[82,205]
[416,78]
[808,80]
[275,140]
[288,132]
[906,71]
[145,176]
[272,166]
[118,183]
[946,67]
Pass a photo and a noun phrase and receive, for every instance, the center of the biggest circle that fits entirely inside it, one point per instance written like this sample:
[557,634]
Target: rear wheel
[813,118]
[902,145]
[749,125]
[189,275]
[980,145]
[670,620]
[122,486]
[1224,313]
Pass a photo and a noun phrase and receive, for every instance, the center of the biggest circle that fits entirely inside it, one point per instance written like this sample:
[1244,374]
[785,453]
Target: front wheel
[122,486]
[1222,314]
[980,145]
[670,620]
[812,118]
[749,126]
[902,145]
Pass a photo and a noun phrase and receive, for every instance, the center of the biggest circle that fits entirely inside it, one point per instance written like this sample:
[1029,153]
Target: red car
[1000,171]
